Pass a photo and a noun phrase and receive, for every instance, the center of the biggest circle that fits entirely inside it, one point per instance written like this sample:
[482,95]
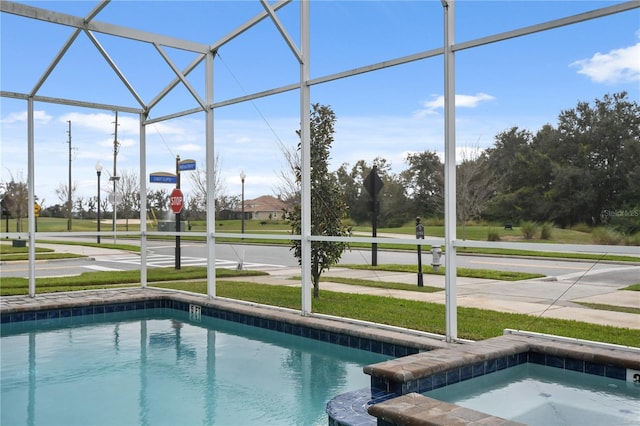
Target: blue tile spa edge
[350,409]
[466,372]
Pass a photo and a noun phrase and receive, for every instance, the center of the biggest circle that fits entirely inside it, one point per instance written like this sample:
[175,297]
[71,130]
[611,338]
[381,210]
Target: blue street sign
[162,178]
[187,165]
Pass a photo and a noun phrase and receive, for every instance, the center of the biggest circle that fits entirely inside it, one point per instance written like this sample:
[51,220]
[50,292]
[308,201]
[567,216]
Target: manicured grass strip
[633,287]
[9,253]
[475,324]
[462,272]
[126,247]
[377,284]
[39,256]
[9,249]
[559,255]
[15,285]
[602,307]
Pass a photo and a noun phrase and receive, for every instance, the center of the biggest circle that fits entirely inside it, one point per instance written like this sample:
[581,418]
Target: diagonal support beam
[250,23]
[98,27]
[179,74]
[115,68]
[66,47]
[176,80]
[282,30]
[214,48]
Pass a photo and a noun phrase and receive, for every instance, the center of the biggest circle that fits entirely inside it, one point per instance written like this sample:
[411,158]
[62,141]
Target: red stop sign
[176,201]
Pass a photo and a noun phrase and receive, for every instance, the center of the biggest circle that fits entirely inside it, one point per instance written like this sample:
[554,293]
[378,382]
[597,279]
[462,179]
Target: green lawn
[475,324]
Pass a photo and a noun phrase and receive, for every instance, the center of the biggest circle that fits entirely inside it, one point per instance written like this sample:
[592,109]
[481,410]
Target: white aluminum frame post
[451,305]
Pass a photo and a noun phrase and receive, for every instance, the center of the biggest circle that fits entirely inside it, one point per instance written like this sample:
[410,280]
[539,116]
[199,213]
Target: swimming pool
[540,395]
[159,366]
[18,314]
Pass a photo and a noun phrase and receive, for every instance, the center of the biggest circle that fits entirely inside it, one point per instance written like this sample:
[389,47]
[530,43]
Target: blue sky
[389,113]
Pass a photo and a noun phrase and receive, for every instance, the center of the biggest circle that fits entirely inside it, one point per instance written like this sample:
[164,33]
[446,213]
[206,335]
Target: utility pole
[115,178]
[69,204]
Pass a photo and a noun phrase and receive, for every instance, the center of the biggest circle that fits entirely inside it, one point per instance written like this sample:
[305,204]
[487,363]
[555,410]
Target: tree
[15,199]
[80,206]
[327,201]
[393,204]
[198,178]
[92,203]
[157,202]
[576,173]
[288,190]
[521,176]
[597,154]
[424,183]
[53,211]
[128,189]
[227,202]
[62,191]
[474,187]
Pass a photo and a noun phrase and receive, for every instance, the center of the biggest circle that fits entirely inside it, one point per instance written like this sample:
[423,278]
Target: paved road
[271,258]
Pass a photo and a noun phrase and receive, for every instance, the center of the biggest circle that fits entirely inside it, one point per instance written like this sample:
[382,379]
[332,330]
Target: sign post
[177,202]
[373,184]
[176,199]
[36,211]
[419,236]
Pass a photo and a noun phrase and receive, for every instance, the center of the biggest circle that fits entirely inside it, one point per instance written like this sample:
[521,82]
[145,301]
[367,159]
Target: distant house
[262,208]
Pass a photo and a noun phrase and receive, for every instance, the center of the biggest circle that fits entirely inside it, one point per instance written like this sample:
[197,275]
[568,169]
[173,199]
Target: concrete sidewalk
[83,250]
[538,297]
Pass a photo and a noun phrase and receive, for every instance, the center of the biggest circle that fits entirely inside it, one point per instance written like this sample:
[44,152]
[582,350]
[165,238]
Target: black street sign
[372,183]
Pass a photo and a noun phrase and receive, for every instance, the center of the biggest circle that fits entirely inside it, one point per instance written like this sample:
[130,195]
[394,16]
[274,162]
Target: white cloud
[617,66]
[39,117]
[189,147]
[462,101]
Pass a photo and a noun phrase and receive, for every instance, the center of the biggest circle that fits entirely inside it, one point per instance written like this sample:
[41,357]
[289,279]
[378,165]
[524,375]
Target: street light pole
[242,177]
[69,194]
[420,236]
[98,172]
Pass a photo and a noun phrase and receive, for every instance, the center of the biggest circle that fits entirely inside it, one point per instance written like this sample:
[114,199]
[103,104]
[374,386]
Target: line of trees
[583,170]
[586,170]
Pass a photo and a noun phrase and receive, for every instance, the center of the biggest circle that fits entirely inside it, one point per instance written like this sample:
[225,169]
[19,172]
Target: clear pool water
[539,395]
[165,370]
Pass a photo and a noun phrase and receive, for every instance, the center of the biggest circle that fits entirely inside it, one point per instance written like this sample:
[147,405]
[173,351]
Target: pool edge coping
[408,406]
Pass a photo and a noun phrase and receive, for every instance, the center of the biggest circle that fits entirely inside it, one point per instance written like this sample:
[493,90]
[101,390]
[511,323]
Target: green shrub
[546,231]
[347,221]
[606,236]
[632,240]
[528,229]
[493,235]
[581,227]
[433,221]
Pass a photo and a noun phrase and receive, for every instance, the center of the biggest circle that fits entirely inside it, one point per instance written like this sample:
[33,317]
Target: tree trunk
[315,278]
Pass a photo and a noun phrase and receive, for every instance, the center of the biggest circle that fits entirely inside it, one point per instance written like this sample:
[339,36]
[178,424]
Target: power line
[251,101]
